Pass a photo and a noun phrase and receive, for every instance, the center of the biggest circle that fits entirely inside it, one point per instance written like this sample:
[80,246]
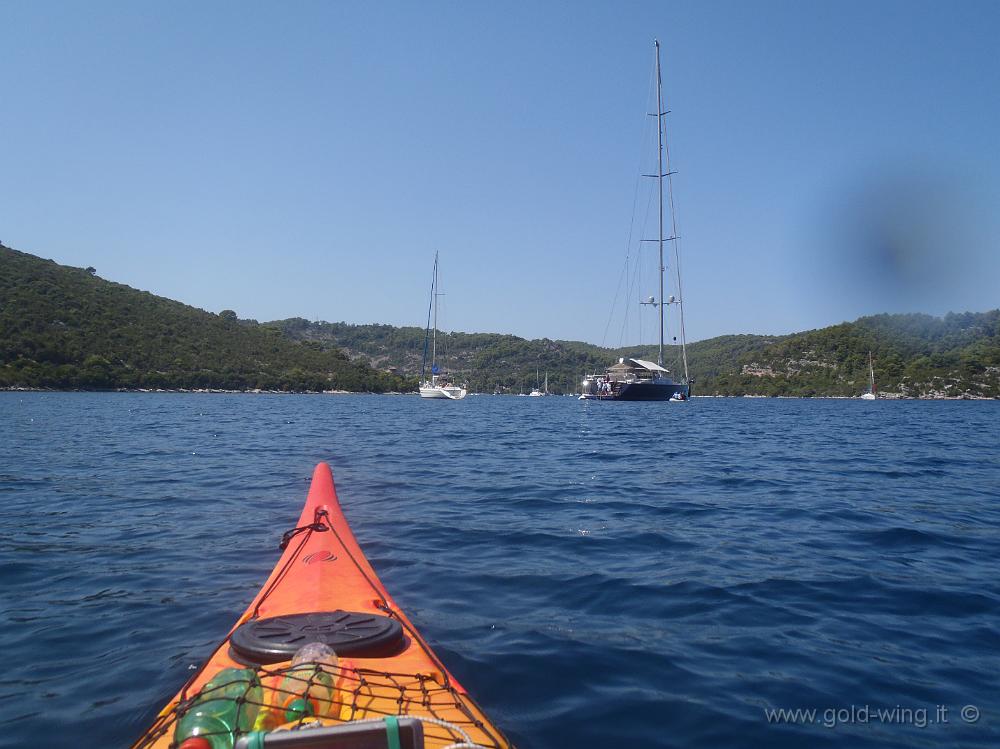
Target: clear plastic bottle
[310,686]
[224,708]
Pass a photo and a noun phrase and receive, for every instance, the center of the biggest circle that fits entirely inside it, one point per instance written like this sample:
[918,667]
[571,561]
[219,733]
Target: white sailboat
[870,394]
[536,393]
[439,385]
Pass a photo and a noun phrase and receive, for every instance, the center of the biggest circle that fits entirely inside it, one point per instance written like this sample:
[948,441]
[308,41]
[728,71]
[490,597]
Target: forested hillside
[915,356]
[487,361]
[63,327]
[66,328]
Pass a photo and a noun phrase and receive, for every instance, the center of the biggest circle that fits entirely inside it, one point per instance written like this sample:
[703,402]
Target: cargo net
[242,702]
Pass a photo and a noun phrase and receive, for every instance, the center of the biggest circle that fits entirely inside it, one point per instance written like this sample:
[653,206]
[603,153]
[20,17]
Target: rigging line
[682,354]
[443,346]
[643,134]
[653,100]
[614,300]
[441,317]
[625,317]
[427,330]
[452,370]
[624,274]
[677,257]
[635,283]
[636,289]
[646,147]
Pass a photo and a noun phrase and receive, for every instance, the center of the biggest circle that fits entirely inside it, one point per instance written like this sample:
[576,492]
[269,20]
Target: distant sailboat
[536,393]
[439,385]
[870,394]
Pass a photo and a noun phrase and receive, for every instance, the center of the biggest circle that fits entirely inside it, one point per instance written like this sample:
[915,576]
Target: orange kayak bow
[384,687]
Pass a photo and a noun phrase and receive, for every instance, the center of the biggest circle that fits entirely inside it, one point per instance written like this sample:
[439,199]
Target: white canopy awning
[650,365]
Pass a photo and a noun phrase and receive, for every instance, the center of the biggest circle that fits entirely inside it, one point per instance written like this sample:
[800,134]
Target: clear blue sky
[308,158]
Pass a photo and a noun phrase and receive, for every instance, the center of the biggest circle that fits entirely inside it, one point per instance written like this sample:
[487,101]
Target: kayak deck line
[323,588]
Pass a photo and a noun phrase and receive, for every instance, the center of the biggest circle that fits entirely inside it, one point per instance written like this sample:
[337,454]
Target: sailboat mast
[674,237]
[659,180]
[434,293]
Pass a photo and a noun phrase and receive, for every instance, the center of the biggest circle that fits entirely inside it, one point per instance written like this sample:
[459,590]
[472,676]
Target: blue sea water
[596,574]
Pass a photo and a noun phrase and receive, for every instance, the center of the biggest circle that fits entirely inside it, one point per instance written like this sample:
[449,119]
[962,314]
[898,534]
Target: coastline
[222,391]
[213,391]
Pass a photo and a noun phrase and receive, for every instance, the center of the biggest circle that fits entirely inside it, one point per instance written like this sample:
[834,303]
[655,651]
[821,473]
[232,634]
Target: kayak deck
[385,668]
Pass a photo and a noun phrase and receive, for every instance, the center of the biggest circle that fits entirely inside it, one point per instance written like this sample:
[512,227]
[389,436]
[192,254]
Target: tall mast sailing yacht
[638,379]
[439,385]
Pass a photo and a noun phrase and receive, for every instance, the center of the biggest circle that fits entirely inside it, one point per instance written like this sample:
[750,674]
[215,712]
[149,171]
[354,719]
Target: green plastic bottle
[225,708]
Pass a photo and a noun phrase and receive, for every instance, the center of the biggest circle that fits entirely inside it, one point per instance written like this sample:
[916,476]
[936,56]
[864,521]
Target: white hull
[439,391]
[867,397]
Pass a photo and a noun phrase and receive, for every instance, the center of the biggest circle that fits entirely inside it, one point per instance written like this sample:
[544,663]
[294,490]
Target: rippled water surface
[596,574]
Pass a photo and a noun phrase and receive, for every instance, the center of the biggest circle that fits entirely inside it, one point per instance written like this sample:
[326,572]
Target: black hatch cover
[349,633]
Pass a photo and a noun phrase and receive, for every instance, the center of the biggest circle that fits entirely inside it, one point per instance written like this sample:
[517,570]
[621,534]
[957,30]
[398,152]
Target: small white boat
[439,385]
